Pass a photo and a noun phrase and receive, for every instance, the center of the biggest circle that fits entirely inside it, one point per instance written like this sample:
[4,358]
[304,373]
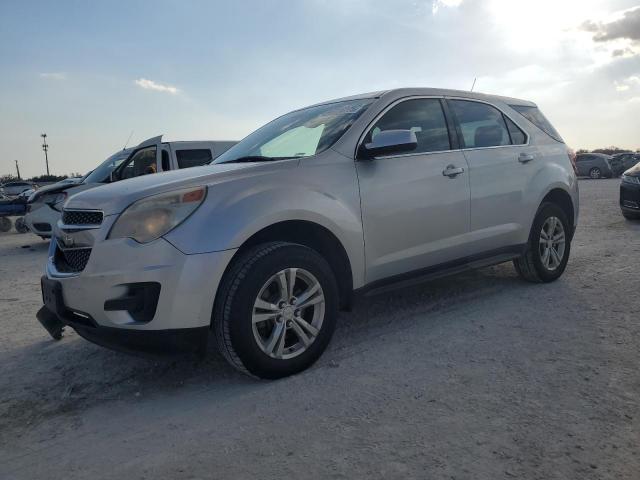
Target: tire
[5,224]
[20,225]
[531,266]
[631,216]
[595,173]
[246,344]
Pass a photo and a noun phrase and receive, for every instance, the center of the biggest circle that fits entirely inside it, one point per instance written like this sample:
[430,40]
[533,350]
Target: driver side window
[143,162]
[424,117]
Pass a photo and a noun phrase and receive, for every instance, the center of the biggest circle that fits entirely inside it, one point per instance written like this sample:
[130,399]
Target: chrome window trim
[437,97]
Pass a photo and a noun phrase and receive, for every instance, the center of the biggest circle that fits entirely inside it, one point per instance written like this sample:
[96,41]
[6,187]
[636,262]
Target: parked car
[623,162]
[150,156]
[630,193]
[266,244]
[12,207]
[12,189]
[594,165]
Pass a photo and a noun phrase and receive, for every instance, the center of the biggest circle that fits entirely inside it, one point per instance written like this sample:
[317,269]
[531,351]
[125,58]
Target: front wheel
[20,225]
[276,310]
[548,248]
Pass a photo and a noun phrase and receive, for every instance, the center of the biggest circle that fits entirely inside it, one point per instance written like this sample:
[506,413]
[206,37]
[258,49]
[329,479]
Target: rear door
[500,163]
[415,210]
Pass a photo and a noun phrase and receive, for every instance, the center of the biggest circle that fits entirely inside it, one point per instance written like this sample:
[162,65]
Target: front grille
[72,260]
[81,217]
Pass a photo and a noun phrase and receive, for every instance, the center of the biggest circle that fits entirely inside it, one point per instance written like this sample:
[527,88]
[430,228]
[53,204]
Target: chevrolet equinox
[263,247]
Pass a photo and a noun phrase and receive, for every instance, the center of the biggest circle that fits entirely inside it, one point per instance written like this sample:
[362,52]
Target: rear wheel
[548,248]
[276,310]
[595,173]
[5,224]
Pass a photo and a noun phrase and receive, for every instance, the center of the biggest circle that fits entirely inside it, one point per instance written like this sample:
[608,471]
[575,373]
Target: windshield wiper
[259,158]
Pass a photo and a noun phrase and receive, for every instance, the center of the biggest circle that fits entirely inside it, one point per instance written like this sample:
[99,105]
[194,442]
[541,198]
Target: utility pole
[45,147]
[18,170]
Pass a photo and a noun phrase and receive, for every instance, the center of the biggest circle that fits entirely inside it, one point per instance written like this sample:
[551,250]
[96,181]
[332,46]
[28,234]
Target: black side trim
[492,257]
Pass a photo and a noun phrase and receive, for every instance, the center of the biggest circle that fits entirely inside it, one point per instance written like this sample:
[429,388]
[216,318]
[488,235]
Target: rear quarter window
[535,116]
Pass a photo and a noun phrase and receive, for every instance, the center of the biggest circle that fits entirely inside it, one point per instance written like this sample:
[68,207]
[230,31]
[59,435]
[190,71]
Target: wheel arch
[562,198]
[314,236]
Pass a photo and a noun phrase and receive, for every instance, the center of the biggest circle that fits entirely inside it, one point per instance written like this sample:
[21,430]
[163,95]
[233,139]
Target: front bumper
[187,289]
[155,342]
[41,218]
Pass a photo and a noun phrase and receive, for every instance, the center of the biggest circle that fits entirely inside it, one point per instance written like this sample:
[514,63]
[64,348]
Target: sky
[91,73]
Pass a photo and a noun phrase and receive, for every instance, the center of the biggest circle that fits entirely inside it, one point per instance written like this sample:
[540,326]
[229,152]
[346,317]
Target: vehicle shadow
[48,378]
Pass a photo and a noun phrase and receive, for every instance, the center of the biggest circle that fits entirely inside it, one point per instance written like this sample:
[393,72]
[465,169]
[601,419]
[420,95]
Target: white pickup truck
[151,156]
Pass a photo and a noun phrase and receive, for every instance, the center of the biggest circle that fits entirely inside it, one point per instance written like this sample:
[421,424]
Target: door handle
[525,157]
[452,171]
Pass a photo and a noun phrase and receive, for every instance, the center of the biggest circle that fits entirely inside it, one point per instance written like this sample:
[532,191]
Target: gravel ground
[477,376]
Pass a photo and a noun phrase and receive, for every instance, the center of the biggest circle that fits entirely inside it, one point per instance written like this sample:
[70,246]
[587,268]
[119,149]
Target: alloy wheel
[288,313]
[552,243]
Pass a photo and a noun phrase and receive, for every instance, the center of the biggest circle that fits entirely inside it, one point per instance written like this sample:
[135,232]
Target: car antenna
[127,142]
[474,83]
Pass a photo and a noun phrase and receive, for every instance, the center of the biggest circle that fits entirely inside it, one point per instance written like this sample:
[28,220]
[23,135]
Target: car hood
[633,171]
[113,198]
[70,188]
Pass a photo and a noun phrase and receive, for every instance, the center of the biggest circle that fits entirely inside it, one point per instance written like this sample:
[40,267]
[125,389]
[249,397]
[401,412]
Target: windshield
[301,133]
[102,171]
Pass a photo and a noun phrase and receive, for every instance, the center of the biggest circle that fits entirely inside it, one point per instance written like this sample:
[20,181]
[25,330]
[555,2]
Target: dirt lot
[478,376]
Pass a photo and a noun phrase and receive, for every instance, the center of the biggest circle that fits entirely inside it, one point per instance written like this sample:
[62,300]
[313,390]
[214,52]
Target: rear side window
[535,116]
[481,124]
[422,116]
[517,136]
[193,158]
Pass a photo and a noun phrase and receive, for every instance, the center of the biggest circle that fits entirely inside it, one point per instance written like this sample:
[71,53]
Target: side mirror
[389,142]
[113,177]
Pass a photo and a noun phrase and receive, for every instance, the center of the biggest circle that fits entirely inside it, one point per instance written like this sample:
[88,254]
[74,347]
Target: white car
[151,156]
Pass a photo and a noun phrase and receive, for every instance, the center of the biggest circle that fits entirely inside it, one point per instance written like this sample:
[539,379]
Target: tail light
[572,158]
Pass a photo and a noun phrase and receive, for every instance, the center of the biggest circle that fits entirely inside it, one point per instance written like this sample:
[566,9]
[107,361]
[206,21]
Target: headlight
[630,179]
[152,217]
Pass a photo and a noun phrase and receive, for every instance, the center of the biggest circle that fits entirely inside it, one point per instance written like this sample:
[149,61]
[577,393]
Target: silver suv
[262,248]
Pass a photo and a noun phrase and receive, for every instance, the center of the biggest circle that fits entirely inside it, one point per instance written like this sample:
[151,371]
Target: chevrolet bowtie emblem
[68,241]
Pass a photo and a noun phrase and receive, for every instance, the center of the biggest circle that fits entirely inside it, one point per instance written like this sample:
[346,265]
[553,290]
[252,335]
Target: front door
[415,206]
